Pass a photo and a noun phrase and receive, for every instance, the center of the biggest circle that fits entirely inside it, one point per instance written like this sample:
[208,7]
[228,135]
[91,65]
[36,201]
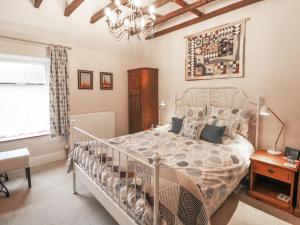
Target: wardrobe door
[149,97]
[135,106]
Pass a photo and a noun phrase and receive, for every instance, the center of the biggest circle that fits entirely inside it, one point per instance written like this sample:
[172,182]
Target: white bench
[14,160]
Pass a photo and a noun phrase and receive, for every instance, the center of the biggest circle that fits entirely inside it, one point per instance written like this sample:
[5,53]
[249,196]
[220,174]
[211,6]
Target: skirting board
[44,159]
[297,212]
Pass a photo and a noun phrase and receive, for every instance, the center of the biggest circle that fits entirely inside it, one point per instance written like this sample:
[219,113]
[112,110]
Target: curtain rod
[31,41]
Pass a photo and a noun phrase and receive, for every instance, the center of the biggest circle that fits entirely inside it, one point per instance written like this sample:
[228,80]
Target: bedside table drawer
[272,171]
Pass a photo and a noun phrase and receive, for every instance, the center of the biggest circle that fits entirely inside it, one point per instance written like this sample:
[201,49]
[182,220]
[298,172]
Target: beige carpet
[245,213]
[51,202]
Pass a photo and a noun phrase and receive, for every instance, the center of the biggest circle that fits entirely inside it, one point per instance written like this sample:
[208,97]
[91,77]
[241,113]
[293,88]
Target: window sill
[25,136]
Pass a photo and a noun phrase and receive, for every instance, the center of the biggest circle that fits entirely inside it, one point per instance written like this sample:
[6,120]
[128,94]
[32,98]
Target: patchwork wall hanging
[216,53]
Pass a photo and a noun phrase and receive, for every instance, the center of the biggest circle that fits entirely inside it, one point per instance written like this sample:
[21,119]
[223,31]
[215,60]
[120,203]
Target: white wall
[81,101]
[85,101]
[271,63]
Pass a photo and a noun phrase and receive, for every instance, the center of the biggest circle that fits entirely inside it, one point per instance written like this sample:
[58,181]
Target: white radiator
[100,124]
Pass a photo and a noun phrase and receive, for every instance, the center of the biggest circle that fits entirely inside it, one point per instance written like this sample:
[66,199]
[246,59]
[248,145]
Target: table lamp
[161,106]
[265,111]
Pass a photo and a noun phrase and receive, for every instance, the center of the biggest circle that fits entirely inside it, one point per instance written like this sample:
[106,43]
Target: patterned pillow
[219,113]
[192,128]
[231,125]
[198,113]
[241,115]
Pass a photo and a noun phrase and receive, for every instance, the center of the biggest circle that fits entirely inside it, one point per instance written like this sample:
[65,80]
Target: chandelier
[137,23]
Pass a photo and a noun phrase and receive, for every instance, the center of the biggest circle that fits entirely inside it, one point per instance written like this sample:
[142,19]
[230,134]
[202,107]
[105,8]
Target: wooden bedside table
[297,209]
[270,177]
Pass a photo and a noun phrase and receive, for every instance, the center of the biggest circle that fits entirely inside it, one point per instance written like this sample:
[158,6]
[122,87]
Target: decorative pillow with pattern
[198,113]
[241,115]
[192,128]
[231,125]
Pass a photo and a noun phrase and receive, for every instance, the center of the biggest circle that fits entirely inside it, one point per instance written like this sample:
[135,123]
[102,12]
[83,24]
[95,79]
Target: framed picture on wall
[106,81]
[85,79]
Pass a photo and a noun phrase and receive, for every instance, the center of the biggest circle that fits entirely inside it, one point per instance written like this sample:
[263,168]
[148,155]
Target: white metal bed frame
[196,96]
[115,209]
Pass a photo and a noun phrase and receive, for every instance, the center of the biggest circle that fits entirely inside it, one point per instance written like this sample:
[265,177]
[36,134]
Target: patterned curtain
[59,92]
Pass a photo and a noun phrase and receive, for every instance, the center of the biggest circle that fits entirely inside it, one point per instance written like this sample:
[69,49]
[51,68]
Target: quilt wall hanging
[216,53]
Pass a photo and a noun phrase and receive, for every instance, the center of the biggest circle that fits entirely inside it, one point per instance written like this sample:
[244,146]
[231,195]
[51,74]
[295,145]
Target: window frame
[30,60]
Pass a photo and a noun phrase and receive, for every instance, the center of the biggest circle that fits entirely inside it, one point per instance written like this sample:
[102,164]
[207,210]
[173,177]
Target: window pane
[24,109]
[15,72]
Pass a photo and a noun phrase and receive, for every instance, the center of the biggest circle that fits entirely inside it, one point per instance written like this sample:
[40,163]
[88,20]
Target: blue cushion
[176,125]
[213,134]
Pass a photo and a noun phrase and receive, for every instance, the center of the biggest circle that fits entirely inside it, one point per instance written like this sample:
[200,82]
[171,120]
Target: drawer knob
[270,171]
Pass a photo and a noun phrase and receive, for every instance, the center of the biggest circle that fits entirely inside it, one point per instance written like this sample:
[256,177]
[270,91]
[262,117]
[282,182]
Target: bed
[158,177]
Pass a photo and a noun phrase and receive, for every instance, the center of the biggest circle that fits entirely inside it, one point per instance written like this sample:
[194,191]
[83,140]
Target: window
[24,97]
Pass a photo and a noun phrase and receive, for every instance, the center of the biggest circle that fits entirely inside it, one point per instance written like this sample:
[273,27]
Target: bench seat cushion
[14,160]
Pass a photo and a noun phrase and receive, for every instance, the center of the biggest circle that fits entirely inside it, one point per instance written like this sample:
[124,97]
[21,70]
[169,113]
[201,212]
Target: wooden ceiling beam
[101,13]
[160,3]
[182,3]
[37,3]
[207,16]
[145,11]
[72,6]
[180,11]
[156,4]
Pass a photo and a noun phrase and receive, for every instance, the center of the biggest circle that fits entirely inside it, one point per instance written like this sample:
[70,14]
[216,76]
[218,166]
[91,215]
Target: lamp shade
[264,111]
[162,103]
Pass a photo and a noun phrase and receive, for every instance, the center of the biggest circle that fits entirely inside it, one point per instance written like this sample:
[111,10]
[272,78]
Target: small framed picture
[106,81]
[85,79]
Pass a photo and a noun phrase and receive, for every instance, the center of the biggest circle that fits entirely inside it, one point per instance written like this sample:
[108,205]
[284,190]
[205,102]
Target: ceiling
[19,18]
[47,22]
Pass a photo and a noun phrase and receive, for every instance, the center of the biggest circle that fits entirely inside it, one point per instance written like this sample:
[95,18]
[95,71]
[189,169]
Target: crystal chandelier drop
[136,23]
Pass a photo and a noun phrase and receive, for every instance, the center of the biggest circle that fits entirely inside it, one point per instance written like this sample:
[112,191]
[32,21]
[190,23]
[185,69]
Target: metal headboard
[227,97]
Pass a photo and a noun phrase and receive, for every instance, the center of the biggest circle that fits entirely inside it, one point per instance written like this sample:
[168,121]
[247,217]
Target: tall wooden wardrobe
[143,98]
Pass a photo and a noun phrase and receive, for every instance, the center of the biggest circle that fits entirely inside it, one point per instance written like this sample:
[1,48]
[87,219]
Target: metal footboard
[134,173]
